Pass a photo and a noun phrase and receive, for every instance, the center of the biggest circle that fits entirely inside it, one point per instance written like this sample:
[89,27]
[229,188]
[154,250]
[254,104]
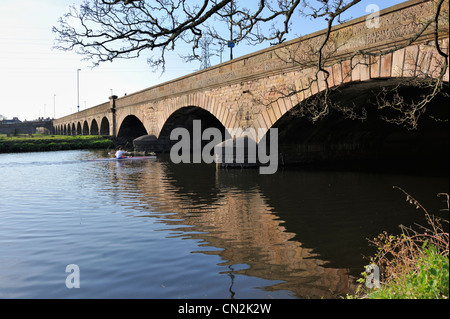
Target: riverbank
[413,265]
[43,143]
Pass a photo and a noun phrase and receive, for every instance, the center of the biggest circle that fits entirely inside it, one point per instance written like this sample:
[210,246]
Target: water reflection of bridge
[305,230]
[231,215]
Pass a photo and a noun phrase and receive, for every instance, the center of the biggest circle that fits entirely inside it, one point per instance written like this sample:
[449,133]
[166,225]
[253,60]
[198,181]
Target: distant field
[41,143]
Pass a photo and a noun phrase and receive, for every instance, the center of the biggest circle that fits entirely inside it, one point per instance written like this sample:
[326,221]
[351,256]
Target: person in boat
[120,153]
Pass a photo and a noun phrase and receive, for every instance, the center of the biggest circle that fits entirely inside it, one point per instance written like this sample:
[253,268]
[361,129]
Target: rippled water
[152,229]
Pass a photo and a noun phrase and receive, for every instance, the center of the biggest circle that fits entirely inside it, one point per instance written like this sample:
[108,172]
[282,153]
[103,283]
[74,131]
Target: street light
[78,88]
[54,106]
[231,43]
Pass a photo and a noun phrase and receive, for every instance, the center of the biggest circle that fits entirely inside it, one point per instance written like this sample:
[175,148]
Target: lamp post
[231,43]
[54,106]
[231,46]
[78,89]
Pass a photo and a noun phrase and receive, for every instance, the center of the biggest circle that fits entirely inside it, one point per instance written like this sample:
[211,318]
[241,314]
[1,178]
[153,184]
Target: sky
[39,81]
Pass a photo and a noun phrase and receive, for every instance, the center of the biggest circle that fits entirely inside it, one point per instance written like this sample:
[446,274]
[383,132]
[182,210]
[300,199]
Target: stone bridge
[264,89]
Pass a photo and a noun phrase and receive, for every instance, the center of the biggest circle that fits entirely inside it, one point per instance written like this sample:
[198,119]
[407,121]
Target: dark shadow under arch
[94,127]
[79,129]
[185,117]
[130,129]
[85,128]
[372,144]
[104,127]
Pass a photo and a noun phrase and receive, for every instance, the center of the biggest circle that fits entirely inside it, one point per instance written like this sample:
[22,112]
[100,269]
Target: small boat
[126,158]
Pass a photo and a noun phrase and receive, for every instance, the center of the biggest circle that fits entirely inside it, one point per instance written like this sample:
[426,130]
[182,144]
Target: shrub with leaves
[414,264]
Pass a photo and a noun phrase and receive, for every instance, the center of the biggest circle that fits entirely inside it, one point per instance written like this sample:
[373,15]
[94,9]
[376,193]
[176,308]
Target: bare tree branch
[108,30]
[321,55]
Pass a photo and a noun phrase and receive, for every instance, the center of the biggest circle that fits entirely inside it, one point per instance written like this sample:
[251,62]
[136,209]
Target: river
[153,229]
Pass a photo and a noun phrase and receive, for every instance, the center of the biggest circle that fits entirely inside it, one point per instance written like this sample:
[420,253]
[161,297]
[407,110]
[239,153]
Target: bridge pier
[112,102]
[237,153]
[147,144]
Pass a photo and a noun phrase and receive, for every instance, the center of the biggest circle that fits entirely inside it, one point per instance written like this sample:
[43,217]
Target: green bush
[64,146]
[54,146]
[428,280]
[52,143]
[413,265]
[102,144]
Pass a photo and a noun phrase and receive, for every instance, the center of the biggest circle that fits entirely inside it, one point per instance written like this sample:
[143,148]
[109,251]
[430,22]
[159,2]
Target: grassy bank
[413,265]
[427,279]
[43,143]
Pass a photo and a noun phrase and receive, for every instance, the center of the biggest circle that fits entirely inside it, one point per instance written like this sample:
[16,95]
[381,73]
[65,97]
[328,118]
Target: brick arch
[79,128]
[412,61]
[85,128]
[93,127]
[130,128]
[104,125]
[200,100]
[122,114]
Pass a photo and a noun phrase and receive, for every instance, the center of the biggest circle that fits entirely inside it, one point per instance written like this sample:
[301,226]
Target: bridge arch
[130,128]
[79,130]
[85,128]
[184,117]
[104,126]
[339,139]
[199,100]
[415,61]
[94,128]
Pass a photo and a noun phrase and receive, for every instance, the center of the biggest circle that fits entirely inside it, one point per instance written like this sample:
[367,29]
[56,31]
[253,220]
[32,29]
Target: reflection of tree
[237,219]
